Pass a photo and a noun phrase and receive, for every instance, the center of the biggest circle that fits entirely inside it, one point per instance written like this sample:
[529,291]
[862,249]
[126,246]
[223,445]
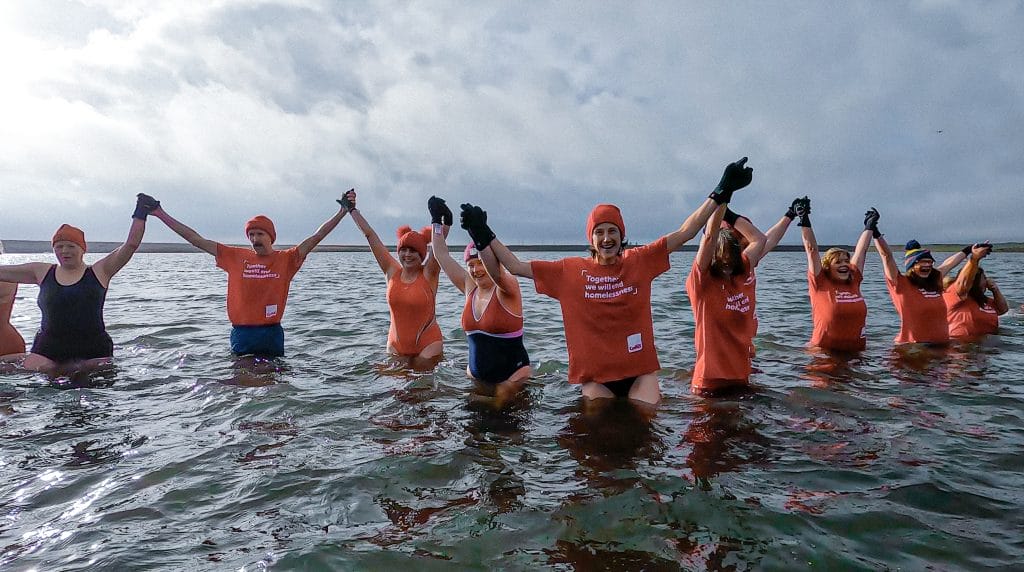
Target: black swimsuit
[72,324]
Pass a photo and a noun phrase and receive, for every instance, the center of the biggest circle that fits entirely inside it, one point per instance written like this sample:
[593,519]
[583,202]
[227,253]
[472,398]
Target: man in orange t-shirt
[258,278]
[606,297]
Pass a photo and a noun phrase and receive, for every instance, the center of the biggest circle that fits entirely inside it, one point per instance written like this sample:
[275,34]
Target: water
[340,461]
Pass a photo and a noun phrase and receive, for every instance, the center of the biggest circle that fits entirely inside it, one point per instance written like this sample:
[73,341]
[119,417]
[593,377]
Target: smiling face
[479,274]
[68,253]
[606,240]
[409,258]
[261,242]
[922,268]
[837,264]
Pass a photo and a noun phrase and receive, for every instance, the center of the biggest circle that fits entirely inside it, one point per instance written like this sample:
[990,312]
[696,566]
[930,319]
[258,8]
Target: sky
[535,111]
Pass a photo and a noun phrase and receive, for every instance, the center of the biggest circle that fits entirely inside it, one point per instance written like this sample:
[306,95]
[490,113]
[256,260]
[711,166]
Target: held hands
[348,200]
[802,207]
[735,177]
[979,250]
[871,222]
[439,211]
[144,206]
[791,211]
[474,220]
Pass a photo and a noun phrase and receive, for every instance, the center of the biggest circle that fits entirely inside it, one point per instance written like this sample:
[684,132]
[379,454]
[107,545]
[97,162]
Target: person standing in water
[722,287]
[606,297]
[258,278]
[969,312]
[917,294]
[412,282]
[492,316]
[72,335]
[838,309]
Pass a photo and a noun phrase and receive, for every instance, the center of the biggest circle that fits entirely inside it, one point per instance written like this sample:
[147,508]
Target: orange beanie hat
[605,213]
[408,238]
[70,234]
[263,223]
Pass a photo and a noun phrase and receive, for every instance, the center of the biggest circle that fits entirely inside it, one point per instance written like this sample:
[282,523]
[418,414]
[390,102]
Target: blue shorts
[259,340]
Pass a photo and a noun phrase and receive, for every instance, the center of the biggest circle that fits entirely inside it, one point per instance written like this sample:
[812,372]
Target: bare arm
[811,249]
[860,252]
[708,242]
[775,234]
[998,301]
[963,281]
[951,262]
[387,263]
[28,273]
[888,262]
[504,281]
[307,246]
[455,272]
[191,236]
[691,226]
[757,241]
[110,264]
[510,260]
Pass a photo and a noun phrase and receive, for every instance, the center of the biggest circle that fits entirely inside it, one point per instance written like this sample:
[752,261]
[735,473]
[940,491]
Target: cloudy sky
[535,110]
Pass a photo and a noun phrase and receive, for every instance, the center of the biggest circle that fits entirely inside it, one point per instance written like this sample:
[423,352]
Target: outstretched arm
[110,264]
[28,273]
[191,236]
[307,246]
[386,262]
[756,240]
[998,301]
[811,249]
[966,277]
[888,262]
[708,242]
[860,252]
[455,272]
[691,226]
[509,260]
[775,234]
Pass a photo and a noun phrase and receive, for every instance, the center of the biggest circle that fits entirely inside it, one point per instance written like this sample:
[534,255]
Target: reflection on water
[335,457]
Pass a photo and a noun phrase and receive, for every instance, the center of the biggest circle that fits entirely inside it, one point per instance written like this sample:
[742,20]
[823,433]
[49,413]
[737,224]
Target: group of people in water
[605,297]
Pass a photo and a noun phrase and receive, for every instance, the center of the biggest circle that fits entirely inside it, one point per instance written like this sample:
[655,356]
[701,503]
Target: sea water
[333,458]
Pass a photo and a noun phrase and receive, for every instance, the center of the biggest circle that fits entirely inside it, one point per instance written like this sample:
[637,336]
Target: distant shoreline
[42,246]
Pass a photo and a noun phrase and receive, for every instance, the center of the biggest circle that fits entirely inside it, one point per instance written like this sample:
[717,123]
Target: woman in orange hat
[411,292]
[606,297]
[72,334]
[492,316]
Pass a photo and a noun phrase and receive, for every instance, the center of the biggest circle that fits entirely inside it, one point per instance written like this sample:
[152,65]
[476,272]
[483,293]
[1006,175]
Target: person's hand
[978,250]
[871,222]
[144,205]
[735,177]
[439,211]
[803,210]
[348,200]
[474,220]
[791,211]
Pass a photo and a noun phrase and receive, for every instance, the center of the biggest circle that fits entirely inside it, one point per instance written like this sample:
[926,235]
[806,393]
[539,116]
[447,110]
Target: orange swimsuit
[11,341]
[413,326]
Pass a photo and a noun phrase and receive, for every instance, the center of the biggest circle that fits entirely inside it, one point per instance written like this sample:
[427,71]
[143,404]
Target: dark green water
[337,461]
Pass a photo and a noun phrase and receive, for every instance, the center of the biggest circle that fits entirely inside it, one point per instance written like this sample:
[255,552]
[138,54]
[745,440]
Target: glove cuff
[720,195]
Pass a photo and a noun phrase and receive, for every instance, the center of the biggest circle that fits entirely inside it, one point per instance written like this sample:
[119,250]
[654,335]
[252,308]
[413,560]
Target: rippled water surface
[332,459]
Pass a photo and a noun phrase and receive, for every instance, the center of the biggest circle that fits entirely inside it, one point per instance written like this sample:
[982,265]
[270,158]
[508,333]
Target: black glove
[144,205]
[871,222]
[967,249]
[439,211]
[791,212]
[731,217]
[345,203]
[735,177]
[803,210]
[474,220]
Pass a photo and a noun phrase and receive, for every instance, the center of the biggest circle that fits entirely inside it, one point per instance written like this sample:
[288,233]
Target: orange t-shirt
[966,318]
[257,285]
[724,312]
[838,310]
[609,332]
[922,313]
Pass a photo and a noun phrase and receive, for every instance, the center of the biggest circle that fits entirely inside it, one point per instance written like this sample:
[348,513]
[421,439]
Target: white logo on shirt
[271,310]
[634,343]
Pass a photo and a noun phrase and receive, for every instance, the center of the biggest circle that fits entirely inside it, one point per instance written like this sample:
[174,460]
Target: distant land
[43,246]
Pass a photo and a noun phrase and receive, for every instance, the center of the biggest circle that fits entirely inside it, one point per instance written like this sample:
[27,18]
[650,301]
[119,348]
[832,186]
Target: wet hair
[832,256]
[727,242]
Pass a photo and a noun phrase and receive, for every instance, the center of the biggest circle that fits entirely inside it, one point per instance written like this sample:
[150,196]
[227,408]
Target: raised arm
[307,246]
[860,252]
[756,240]
[998,301]
[112,263]
[474,220]
[387,263]
[190,236]
[888,262]
[962,284]
[811,249]
[708,242]
[508,259]
[736,176]
[954,260]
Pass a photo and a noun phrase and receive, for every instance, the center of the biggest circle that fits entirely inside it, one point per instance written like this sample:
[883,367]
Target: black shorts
[621,387]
